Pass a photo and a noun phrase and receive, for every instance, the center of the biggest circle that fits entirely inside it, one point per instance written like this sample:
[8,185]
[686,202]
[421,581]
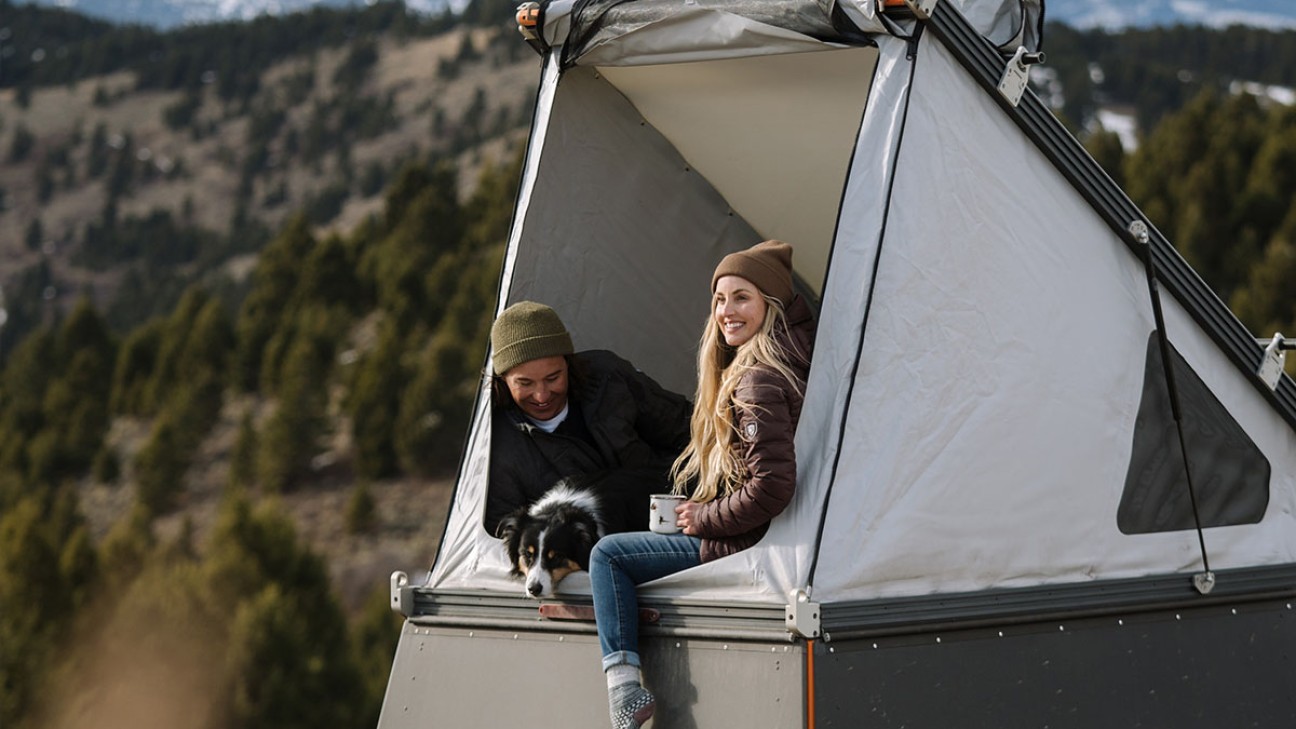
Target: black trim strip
[868,307]
[985,65]
[894,616]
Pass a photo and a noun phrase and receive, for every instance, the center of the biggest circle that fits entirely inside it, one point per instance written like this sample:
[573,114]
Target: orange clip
[528,15]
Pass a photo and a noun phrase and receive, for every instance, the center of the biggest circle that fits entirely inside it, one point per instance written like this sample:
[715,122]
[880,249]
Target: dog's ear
[586,533]
[510,530]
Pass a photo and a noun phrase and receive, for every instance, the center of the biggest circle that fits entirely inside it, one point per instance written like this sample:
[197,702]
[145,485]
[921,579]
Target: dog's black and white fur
[553,537]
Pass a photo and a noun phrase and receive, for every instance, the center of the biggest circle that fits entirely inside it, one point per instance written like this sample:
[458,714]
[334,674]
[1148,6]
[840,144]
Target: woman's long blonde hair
[709,460]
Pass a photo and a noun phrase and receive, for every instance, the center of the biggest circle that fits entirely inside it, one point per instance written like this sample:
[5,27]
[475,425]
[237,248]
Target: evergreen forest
[294,351]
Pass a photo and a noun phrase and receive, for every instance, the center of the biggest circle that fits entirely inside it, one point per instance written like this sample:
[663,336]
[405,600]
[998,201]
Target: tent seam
[868,307]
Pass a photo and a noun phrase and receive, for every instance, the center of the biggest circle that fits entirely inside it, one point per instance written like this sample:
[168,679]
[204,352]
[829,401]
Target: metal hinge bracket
[802,617]
[1016,74]
[402,594]
[1273,360]
[1204,582]
[922,9]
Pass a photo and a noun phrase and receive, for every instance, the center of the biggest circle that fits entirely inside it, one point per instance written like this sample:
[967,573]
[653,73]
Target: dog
[553,537]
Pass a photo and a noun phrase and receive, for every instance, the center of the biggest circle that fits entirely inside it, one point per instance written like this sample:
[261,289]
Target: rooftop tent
[987,406]
[639,179]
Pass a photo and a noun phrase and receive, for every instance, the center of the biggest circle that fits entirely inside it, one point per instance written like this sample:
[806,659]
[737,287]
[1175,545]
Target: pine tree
[374,403]
[47,569]
[361,509]
[288,653]
[160,467]
[243,458]
[373,638]
[136,361]
[290,436]
[274,281]
[1107,151]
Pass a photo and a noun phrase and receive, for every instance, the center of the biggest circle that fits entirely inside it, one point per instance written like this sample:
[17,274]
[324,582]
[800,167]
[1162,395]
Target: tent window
[1230,475]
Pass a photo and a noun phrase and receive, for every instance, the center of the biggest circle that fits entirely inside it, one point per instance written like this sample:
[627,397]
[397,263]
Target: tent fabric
[783,560]
[721,123]
[586,244]
[970,414]
[629,32]
[979,452]
[642,31]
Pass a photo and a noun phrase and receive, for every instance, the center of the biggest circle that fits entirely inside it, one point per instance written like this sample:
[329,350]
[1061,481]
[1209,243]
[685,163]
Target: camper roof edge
[882,616]
[677,617]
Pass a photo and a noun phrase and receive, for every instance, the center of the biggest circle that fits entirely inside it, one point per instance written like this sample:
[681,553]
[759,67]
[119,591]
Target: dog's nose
[535,588]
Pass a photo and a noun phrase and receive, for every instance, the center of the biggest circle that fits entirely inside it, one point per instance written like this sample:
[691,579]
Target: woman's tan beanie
[768,265]
[527,331]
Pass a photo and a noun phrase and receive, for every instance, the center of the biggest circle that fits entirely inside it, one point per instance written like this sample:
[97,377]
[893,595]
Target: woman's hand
[686,516]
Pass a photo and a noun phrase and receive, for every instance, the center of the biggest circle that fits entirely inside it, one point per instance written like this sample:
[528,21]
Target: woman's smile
[739,309]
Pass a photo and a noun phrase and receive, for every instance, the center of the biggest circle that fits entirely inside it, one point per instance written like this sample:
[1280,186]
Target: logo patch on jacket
[750,430]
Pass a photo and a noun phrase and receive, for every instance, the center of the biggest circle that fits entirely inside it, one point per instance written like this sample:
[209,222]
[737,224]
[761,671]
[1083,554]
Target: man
[558,414]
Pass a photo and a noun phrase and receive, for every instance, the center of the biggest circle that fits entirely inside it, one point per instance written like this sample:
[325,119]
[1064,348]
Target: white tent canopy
[984,367]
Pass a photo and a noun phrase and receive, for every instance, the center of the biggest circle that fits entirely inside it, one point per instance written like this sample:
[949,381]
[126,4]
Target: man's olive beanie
[527,331]
[768,265]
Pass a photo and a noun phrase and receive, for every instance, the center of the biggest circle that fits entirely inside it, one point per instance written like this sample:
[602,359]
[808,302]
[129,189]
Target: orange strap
[810,685]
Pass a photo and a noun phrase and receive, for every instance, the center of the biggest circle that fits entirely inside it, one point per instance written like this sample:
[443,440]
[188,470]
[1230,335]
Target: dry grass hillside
[196,176]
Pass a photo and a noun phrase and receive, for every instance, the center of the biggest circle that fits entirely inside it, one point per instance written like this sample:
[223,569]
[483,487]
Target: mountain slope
[1109,14]
[1113,14]
[142,189]
[166,14]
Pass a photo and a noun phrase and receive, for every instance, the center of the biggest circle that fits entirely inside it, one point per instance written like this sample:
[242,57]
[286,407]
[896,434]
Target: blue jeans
[618,563]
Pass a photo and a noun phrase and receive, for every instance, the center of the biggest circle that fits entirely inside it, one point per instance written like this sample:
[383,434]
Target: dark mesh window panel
[1230,475]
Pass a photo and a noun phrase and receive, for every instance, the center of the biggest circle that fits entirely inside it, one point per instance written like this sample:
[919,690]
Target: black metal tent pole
[1138,230]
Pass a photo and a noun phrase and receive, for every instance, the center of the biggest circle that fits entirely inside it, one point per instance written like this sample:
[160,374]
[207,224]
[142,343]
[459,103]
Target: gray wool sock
[630,705]
[622,673]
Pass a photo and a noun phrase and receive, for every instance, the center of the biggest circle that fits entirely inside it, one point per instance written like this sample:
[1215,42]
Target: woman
[739,468]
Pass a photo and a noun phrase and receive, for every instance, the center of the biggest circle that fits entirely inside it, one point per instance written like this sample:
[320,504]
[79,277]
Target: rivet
[1177,616]
[832,649]
[561,638]
[470,634]
[1001,634]
[1120,622]
[875,645]
[1235,611]
[726,646]
[677,645]
[1061,628]
[938,639]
